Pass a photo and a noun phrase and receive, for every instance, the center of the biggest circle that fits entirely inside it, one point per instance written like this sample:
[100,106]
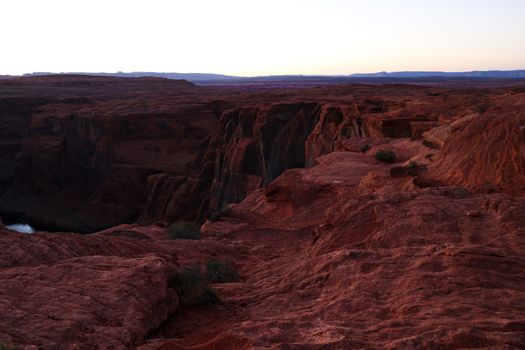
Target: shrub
[481,108]
[213,215]
[365,148]
[6,347]
[225,209]
[221,272]
[412,165]
[184,230]
[385,156]
[193,287]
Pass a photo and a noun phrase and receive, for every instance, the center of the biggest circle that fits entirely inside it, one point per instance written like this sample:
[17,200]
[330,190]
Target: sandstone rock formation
[363,260]
[66,291]
[333,249]
[487,153]
[87,153]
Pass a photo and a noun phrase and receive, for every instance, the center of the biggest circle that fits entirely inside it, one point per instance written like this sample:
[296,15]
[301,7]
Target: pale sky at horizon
[250,38]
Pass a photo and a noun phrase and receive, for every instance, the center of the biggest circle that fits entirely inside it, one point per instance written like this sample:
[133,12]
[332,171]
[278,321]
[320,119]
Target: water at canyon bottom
[23,228]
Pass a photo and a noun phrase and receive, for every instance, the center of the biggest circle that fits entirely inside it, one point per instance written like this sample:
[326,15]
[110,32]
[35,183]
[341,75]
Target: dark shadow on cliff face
[86,153]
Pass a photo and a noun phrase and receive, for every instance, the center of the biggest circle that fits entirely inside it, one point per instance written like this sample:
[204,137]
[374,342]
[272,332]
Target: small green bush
[193,287]
[365,148]
[221,272]
[412,165]
[184,230]
[222,210]
[481,108]
[385,156]
[6,347]
[225,209]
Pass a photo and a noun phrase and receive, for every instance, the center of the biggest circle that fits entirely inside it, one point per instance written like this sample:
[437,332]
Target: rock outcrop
[67,291]
[364,260]
[487,152]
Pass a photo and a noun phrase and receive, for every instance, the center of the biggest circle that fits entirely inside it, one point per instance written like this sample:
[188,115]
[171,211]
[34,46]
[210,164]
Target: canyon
[332,247]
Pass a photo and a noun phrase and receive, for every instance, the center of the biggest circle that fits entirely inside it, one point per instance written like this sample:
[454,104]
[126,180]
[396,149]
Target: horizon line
[268,75]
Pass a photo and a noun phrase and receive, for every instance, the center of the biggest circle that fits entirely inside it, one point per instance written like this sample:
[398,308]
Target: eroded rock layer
[330,247]
[66,291]
[87,153]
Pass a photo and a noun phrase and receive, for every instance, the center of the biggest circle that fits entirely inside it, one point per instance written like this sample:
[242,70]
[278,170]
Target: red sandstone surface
[334,249]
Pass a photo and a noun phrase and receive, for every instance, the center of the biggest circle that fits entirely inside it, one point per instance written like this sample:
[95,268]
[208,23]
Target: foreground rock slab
[101,301]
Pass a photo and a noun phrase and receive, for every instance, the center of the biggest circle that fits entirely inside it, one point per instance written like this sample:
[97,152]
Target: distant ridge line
[217,78]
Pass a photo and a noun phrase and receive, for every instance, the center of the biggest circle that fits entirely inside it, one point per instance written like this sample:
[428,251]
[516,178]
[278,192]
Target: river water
[23,228]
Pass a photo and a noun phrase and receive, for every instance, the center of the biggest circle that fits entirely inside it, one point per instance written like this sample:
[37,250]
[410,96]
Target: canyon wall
[86,153]
[82,164]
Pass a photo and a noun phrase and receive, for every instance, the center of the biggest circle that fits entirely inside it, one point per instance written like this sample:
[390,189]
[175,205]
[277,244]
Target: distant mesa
[496,74]
[220,78]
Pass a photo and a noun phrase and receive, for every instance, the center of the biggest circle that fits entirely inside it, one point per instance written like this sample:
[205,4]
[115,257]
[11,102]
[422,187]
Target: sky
[267,37]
